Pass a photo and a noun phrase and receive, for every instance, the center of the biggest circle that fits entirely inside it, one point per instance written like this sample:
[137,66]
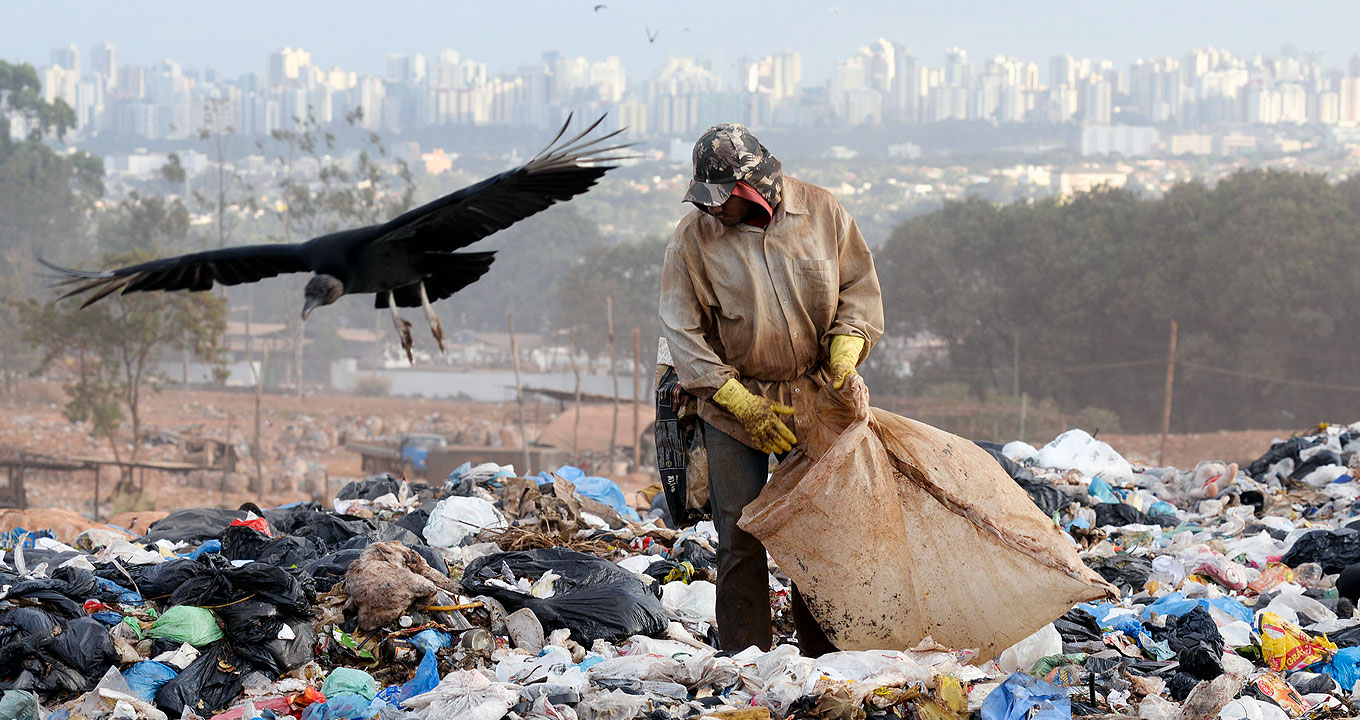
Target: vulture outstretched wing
[561,171]
[195,271]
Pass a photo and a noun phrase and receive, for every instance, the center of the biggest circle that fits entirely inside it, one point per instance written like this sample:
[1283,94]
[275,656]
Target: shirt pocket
[819,276]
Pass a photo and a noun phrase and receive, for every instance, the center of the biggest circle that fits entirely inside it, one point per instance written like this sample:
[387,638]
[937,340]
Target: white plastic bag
[695,602]
[1021,656]
[1077,450]
[457,518]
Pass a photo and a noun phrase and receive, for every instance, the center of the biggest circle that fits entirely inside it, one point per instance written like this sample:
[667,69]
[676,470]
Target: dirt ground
[303,443]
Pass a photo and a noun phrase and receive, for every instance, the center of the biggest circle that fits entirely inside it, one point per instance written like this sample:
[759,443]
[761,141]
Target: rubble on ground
[549,598]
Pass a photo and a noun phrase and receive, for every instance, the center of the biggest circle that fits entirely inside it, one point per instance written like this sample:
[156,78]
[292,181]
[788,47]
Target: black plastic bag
[84,645]
[1180,685]
[211,684]
[1048,498]
[1077,625]
[326,530]
[1195,639]
[370,488]
[1287,449]
[415,521]
[1334,550]
[330,569]
[192,525]
[46,592]
[242,542]
[1120,514]
[217,582]
[1127,572]
[595,599]
[289,551]
[157,582]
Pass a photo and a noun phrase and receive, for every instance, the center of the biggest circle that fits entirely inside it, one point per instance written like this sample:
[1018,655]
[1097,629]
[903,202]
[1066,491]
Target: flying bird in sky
[408,261]
[651,36]
[600,7]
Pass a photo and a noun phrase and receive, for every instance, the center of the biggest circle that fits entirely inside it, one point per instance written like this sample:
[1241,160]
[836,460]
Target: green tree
[109,352]
[630,274]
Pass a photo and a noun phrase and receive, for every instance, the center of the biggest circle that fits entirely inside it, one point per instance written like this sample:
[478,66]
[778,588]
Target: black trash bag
[1102,665]
[595,599]
[1195,639]
[48,593]
[1077,625]
[19,621]
[330,569]
[292,654]
[690,551]
[1180,685]
[1316,460]
[386,532]
[79,583]
[218,582]
[192,525]
[207,686]
[1309,683]
[289,551]
[1334,550]
[1049,499]
[157,582]
[84,645]
[1120,514]
[415,521]
[1348,584]
[326,530]
[242,542]
[370,488]
[1286,449]
[1127,572]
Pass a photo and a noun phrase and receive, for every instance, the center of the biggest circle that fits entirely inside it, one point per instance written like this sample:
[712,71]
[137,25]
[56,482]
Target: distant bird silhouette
[600,7]
[405,262]
[651,36]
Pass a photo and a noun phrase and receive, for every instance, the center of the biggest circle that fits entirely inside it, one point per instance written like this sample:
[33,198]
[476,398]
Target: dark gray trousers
[736,474]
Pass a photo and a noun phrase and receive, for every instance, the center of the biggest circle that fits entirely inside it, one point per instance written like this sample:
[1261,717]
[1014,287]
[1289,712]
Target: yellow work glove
[759,416]
[845,352]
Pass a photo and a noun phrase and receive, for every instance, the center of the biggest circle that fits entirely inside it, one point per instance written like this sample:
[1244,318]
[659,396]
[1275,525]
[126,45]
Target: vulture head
[321,290]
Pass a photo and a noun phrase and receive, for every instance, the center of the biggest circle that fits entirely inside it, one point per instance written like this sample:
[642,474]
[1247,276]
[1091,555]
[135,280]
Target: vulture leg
[435,327]
[402,325]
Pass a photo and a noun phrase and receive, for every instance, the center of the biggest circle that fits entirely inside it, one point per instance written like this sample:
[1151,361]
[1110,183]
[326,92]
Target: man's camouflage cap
[727,154]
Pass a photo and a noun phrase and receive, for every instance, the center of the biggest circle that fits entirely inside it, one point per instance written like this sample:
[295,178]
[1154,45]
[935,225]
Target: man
[768,293]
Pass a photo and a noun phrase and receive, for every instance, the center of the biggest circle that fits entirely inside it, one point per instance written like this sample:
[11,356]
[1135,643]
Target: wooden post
[519,394]
[1024,411]
[576,407]
[614,428]
[637,397]
[1015,364]
[1166,406]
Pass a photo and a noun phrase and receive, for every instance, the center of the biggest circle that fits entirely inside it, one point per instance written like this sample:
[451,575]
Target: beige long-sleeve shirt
[762,305]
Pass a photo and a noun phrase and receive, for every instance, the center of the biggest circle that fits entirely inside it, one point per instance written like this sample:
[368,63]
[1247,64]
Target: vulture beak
[307,306]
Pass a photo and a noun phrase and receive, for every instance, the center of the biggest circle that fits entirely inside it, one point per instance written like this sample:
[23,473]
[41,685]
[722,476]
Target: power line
[1270,378]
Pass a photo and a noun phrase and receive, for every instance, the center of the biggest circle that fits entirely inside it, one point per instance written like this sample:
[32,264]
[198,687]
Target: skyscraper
[67,58]
[104,63]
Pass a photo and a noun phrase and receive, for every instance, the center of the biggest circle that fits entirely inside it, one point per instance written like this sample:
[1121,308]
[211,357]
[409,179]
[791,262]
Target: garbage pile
[550,598]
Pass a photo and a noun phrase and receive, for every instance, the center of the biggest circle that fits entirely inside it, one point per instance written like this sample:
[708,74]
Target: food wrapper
[1287,647]
[1272,577]
[1273,688]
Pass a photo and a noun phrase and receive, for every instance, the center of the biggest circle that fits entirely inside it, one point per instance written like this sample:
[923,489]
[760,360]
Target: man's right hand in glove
[759,416]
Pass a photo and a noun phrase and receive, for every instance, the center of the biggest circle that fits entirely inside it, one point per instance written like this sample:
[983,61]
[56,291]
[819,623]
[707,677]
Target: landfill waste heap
[550,598]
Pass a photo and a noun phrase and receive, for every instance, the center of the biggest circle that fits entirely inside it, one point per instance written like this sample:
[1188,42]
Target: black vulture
[408,261]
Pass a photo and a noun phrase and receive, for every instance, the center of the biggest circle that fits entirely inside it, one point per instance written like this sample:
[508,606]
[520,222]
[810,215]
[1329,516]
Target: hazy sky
[235,37]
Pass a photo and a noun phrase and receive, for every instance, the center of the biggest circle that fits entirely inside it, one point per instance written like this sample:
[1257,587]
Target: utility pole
[519,392]
[1166,406]
[1015,364]
[576,423]
[637,397]
[609,325]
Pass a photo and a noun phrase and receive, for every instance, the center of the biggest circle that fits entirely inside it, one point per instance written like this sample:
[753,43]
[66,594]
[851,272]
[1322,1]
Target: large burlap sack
[894,530]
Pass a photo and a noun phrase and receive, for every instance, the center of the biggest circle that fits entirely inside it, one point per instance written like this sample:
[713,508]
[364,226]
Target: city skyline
[822,32]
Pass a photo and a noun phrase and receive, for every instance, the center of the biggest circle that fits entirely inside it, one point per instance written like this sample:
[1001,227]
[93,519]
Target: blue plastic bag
[1025,697]
[146,677]
[125,596]
[597,488]
[1102,491]
[211,546]
[348,706]
[1344,667]
[1176,604]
